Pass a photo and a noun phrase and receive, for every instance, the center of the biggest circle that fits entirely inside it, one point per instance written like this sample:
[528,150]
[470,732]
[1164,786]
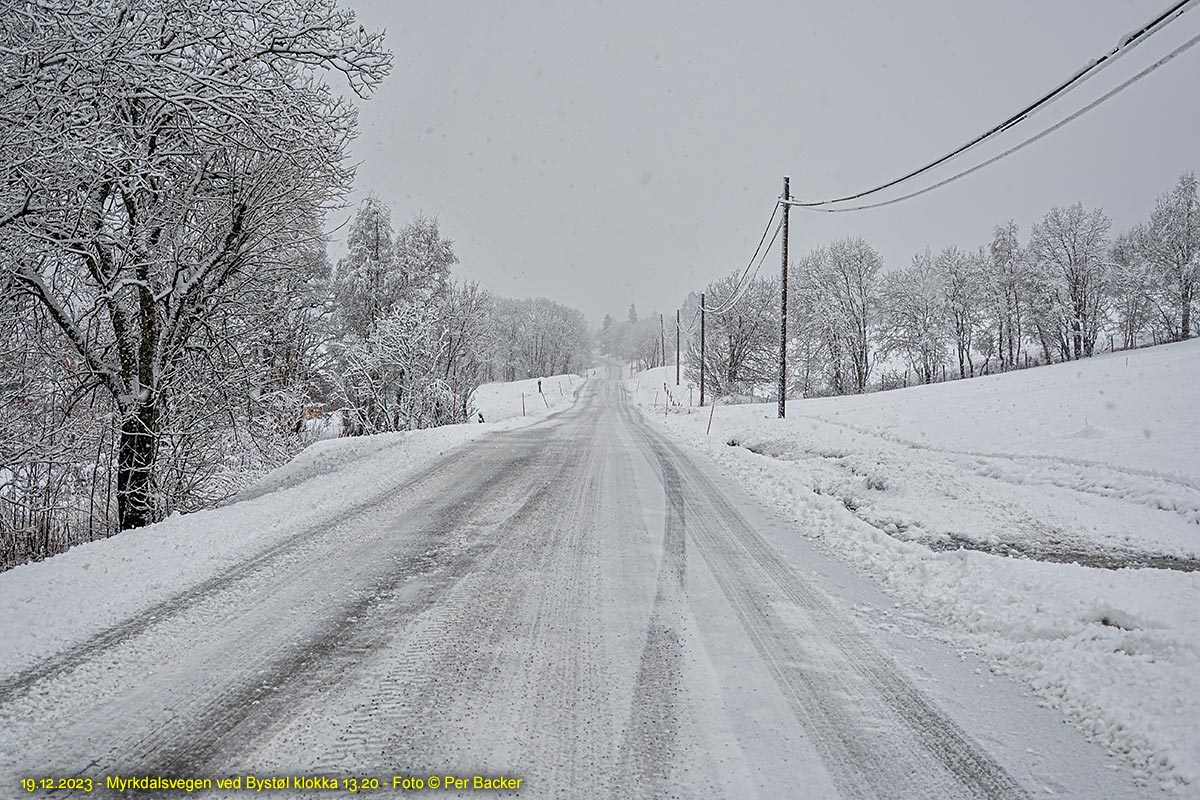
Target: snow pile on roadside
[1017,508]
[521,399]
[324,457]
[499,403]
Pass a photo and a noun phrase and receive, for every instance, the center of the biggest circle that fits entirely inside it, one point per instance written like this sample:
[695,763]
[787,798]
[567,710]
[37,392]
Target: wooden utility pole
[702,348]
[677,347]
[787,195]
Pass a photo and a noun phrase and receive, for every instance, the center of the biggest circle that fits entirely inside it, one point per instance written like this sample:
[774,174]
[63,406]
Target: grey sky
[607,153]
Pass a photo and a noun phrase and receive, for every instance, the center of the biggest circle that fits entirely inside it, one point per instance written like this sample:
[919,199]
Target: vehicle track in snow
[296,545]
[852,699]
[248,649]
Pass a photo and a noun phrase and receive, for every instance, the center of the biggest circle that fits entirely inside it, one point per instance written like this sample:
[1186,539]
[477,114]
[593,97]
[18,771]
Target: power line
[1126,44]
[690,329]
[737,295]
[741,284]
[1098,101]
[761,239]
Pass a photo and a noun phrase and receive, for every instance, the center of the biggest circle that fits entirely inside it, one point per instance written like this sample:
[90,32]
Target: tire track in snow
[235,722]
[72,657]
[266,682]
[505,672]
[649,746]
[877,734]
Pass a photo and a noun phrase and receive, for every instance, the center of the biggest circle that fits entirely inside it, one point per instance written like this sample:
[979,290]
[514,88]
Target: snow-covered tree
[368,282]
[914,315]
[1132,284]
[837,292]
[158,157]
[392,379]
[470,346]
[606,336]
[537,337]
[1171,244]
[741,344]
[1068,251]
[965,294]
[1005,280]
[424,260]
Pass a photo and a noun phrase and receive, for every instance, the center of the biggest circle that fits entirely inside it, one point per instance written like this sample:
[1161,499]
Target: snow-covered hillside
[1049,519]
[515,399]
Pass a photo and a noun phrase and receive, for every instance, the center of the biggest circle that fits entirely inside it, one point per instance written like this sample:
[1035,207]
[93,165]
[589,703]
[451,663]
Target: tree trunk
[1185,326]
[136,455]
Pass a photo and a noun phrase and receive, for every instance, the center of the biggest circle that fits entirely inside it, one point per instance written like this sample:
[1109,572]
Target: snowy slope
[503,401]
[1048,519]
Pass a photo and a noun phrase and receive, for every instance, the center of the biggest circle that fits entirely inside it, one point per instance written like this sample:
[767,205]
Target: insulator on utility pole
[787,195]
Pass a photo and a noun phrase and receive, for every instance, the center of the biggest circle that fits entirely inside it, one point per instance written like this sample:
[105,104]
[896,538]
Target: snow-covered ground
[46,607]
[517,399]
[1047,519]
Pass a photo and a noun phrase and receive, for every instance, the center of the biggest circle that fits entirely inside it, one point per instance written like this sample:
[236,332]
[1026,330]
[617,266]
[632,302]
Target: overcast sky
[607,153]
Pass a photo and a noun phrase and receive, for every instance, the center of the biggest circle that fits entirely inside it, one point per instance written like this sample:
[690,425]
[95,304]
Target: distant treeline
[1069,290]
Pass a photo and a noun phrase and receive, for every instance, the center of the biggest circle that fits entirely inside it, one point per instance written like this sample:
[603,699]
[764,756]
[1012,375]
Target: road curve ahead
[579,604]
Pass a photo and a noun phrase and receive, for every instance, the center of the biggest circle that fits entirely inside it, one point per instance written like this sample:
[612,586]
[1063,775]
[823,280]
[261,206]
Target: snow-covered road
[578,604]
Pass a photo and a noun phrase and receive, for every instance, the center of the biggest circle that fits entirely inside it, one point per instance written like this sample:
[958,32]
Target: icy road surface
[579,604]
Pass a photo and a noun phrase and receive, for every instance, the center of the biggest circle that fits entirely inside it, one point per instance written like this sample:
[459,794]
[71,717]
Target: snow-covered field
[517,399]
[1047,519]
[46,607]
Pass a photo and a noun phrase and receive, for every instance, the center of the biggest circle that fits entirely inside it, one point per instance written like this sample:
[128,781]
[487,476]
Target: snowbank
[1047,519]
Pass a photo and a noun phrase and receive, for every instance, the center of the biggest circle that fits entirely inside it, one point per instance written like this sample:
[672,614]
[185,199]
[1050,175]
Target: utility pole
[702,348]
[787,195]
[677,347]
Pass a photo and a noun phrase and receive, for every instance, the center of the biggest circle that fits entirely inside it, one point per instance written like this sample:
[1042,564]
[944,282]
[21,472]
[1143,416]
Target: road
[579,604]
